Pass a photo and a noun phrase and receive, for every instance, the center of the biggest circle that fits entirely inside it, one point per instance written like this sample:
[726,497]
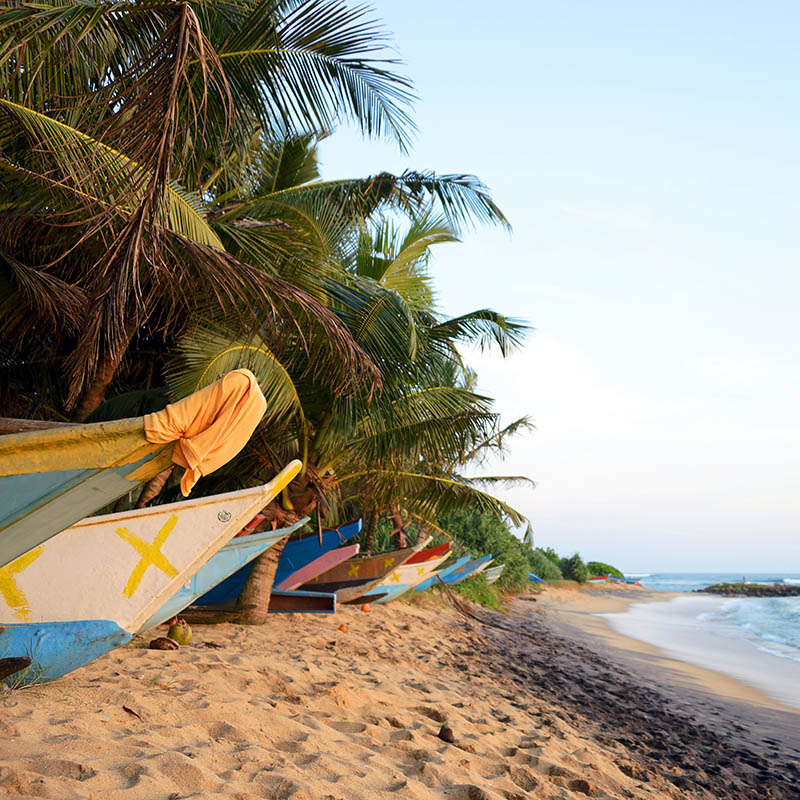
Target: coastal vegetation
[163,221]
[598,568]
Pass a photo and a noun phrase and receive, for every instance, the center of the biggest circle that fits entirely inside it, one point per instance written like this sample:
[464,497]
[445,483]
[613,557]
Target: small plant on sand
[478,591]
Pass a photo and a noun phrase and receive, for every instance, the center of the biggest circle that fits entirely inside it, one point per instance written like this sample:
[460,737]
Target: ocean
[756,640]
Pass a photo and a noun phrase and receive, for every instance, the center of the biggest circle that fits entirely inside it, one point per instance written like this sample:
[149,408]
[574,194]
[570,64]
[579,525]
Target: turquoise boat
[442,573]
[493,573]
[469,569]
[535,578]
[235,555]
[51,478]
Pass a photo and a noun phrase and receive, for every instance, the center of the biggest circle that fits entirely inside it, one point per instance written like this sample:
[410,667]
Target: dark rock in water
[752,589]
[164,643]
[446,734]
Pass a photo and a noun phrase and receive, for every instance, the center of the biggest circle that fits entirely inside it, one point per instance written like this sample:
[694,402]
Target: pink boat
[319,565]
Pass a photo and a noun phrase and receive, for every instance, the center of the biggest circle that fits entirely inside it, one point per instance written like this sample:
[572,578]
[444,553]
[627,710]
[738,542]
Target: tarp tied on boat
[49,479]
[211,426]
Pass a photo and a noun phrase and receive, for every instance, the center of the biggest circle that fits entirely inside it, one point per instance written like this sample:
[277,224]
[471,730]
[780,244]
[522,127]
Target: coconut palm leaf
[207,354]
[305,65]
[484,327]
[429,496]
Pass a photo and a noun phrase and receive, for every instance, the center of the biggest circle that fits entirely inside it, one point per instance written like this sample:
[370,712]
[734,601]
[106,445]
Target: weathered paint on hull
[56,648]
[493,573]
[319,565]
[60,589]
[238,552]
[296,554]
[36,506]
[469,570]
[348,591]
[442,573]
[405,578]
[124,567]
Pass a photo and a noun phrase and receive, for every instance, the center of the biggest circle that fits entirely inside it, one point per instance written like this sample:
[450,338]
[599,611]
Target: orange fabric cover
[211,426]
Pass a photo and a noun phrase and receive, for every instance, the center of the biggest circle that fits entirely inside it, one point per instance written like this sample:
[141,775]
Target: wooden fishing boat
[493,573]
[433,580]
[90,587]
[430,553]
[319,565]
[535,578]
[598,579]
[469,570]
[297,553]
[353,578]
[239,551]
[53,477]
[405,577]
[280,602]
[301,601]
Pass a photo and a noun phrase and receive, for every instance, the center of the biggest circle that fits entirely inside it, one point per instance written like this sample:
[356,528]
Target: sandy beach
[540,707]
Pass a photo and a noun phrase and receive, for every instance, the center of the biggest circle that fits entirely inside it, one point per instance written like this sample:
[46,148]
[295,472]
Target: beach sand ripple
[297,710]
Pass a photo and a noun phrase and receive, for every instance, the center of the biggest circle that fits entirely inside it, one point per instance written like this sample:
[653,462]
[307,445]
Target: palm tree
[116,121]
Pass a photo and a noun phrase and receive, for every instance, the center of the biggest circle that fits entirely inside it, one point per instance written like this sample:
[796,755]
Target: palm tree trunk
[398,530]
[257,590]
[94,393]
[372,520]
[153,487]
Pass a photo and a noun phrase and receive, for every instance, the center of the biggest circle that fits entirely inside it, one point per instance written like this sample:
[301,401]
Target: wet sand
[299,710]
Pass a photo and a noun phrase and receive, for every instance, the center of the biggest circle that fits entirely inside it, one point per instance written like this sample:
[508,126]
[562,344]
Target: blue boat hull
[434,579]
[535,578]
[236,554]
[56,648]
[296,554]
[36,506]
[467,571]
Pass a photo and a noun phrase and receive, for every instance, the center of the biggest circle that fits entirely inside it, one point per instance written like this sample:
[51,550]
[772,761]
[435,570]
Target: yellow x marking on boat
[388,562]
[354,568]
[150,553]
[420,570]
[12,594]
[395,578]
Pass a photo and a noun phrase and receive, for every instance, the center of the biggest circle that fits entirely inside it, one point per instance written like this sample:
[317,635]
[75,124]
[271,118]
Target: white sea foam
[756,640]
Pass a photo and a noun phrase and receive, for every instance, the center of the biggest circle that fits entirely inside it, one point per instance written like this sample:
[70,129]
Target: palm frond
[484,327]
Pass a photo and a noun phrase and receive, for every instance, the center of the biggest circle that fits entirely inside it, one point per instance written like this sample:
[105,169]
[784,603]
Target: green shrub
[550,554]
[542,565]
[481,534]
[573,569]
[599,568]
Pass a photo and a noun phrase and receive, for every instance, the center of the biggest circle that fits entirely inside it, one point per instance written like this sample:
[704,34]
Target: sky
[646,157]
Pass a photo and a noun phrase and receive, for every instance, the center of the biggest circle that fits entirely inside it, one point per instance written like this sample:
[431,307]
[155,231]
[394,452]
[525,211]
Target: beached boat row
[72,588]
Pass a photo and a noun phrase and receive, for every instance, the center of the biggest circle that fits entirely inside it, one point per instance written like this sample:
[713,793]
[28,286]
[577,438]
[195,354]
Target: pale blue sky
[646,155]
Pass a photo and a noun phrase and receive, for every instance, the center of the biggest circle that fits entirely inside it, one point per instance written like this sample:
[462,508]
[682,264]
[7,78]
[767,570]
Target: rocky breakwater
[752,589]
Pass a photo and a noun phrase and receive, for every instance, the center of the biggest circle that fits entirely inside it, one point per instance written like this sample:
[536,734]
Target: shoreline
[300,710]
[584,612]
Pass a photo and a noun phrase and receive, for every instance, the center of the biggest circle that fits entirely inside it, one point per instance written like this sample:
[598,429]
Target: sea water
[753,639]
